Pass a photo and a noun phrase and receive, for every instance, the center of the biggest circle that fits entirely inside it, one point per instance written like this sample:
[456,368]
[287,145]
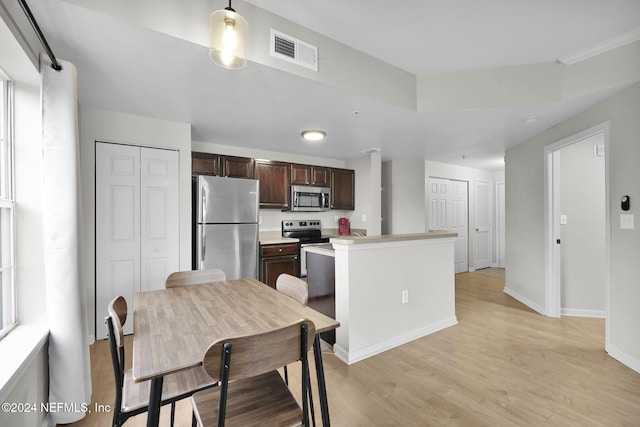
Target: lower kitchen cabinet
[277,259]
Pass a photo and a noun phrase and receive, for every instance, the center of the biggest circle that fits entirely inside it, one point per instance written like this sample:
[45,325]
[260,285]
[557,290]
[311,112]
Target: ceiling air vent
[293,50]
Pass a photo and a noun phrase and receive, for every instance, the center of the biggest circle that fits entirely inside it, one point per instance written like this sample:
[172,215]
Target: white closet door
[449,211]
[117,228]
[459,224]
[159,210]
[137,223]
[438,201]
[484,225]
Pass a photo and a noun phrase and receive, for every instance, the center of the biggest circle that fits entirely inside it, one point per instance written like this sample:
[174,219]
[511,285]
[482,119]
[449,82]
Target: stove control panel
[296,225]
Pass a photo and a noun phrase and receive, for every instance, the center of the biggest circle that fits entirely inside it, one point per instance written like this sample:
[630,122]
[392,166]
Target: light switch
[563,219]
[626,221]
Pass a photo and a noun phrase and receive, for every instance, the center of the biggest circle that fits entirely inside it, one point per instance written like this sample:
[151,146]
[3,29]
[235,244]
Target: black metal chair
[132,398]
[297,289]
[251,390]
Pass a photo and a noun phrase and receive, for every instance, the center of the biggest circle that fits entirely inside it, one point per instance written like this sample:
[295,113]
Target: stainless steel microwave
[310,199]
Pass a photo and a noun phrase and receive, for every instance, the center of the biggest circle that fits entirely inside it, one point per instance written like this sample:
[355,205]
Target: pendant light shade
[228,33]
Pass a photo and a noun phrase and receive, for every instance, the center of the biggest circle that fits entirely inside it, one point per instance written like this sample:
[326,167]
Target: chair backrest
[114,322]
[293,287]
[195,277]
[254,355]
[118,313]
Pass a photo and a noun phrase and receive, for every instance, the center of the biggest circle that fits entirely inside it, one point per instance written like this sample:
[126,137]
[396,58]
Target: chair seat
[261,400]
[175,387]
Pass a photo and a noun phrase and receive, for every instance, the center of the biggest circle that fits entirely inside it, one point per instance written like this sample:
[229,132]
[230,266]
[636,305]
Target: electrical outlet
[405,296]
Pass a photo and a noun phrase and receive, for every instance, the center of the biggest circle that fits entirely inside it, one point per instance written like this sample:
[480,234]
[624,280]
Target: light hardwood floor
[502,365]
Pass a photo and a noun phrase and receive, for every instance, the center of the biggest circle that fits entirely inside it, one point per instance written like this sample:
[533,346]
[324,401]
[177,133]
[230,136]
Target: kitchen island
[390,290]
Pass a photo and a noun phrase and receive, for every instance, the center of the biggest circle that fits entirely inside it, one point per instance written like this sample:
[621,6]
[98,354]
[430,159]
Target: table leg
[155,398]
[322,388]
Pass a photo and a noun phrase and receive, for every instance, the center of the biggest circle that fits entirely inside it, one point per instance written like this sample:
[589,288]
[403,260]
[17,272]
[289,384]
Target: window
[7,270]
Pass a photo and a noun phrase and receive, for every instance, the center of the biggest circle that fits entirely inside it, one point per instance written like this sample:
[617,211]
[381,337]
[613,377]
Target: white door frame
[552,224]
[500,224]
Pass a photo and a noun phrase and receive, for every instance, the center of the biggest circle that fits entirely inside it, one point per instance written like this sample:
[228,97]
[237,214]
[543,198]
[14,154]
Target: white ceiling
[132,69]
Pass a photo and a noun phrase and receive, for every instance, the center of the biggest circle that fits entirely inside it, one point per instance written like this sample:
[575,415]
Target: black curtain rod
[54,62]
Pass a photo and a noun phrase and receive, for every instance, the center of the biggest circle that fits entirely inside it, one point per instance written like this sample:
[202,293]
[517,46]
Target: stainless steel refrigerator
[226,225]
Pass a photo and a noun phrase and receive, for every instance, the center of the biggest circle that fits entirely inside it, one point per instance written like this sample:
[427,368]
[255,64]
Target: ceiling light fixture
[228,34]
[314,135]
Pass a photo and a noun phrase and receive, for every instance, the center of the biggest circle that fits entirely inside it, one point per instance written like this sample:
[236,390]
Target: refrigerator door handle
[203,244]
[203,205]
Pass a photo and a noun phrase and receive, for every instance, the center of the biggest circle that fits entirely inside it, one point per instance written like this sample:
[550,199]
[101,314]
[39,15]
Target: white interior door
[438,202]
[448,203]
[484,224]
[459,224]
[117,228]
[159,213]
[137,219]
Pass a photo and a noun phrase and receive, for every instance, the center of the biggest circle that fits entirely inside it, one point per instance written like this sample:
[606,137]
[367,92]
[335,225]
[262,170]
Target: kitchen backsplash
[271,220]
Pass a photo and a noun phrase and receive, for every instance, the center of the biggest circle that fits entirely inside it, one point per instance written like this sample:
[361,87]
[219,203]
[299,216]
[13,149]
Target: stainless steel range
[309,232]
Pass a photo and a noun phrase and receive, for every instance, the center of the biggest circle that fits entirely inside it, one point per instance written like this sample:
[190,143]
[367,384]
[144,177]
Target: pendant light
[228,33]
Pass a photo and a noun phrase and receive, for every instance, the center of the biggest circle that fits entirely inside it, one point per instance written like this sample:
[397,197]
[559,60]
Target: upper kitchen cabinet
[205,164]
[218,165]
[320,176]
[343,183]
[236,167]
[275,180]
[317,176]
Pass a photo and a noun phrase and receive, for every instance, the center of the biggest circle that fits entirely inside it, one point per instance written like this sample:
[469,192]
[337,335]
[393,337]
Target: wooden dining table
[174,327]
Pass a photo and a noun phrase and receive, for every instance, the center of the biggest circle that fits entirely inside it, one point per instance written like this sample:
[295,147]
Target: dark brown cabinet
[317,176]
[219,165]
[277,177]
[320,176]
[236,167]
[343,189]
[278,259]
[300,174]
[275,180]
[205,164]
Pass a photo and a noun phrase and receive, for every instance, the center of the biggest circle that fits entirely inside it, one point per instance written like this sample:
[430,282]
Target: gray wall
[524,176]
[403,204]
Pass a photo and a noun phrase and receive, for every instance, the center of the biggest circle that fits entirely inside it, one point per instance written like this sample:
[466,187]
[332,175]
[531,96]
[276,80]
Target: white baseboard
[575,312]
[624,358]
[526,301]
[371,350]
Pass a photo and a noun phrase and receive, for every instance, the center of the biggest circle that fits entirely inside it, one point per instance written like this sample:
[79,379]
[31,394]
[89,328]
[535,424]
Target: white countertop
[274,238]
[356,240]
[320,251]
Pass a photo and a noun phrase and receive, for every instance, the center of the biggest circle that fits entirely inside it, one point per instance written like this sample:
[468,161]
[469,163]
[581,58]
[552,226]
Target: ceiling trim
[600,48]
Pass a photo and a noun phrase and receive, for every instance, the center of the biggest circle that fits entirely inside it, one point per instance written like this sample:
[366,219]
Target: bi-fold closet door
[137,223]
[449,210]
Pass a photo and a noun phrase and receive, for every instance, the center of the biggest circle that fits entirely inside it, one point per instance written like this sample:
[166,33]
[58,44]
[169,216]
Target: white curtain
[69,369]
